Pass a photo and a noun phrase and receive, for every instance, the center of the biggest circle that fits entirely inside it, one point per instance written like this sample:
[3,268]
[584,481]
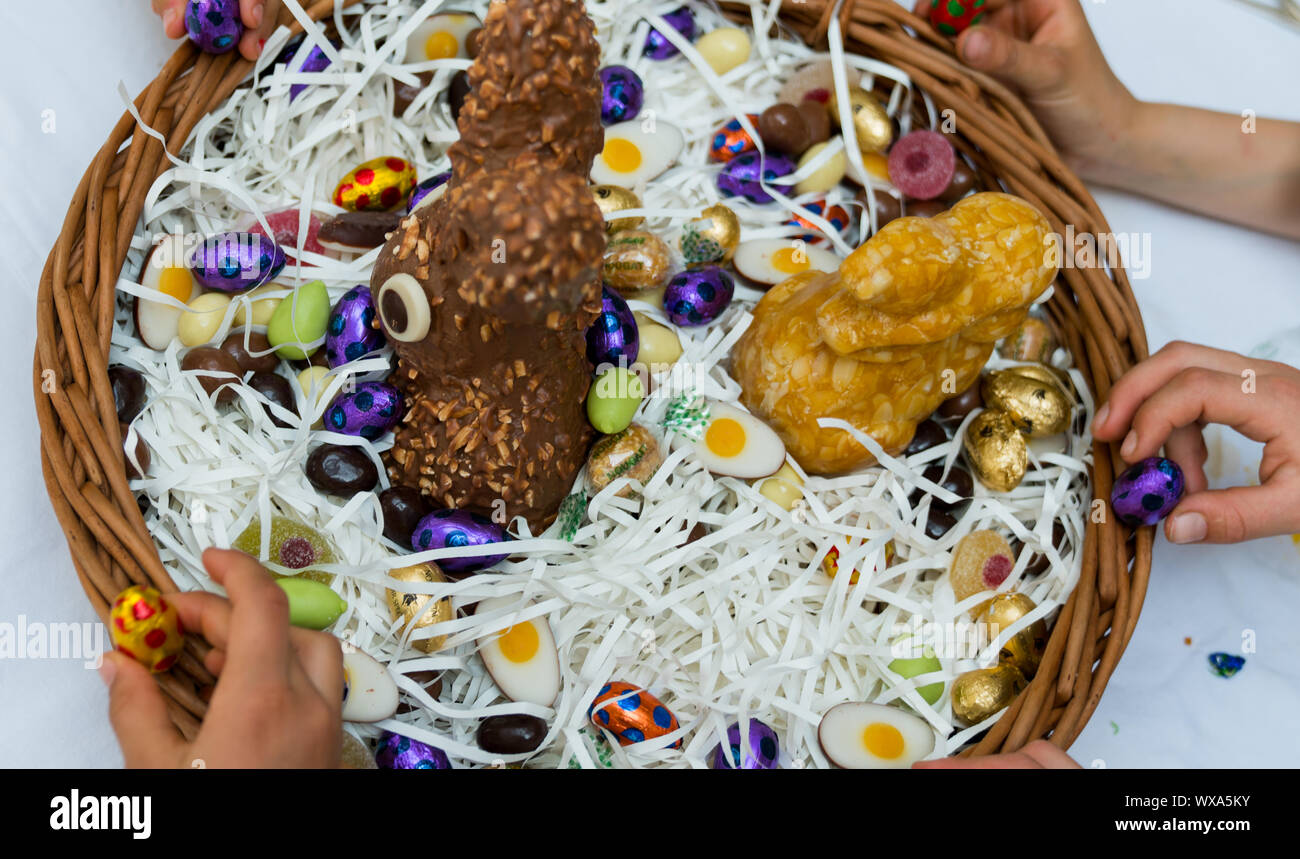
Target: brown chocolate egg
[996,450]
[1037,408]
[963,404]
[611,199]
[784,129]
[420,610]
[871,124]
[982,693]
[633,452]
[1024,650]
[1033,341]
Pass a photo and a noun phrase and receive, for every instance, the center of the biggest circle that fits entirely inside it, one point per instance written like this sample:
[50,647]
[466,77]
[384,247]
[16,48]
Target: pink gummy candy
[921,164]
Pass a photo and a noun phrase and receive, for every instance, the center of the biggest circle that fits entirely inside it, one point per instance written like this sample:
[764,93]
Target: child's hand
[279,691]
[1169,397]
[1046,50]
[258,17]
[1038,755]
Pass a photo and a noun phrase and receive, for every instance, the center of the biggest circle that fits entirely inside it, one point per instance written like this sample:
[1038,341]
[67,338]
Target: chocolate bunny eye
[404,309]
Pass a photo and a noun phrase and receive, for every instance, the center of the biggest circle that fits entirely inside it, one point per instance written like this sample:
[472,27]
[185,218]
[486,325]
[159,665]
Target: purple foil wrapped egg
[745,175]
[613,338]
[214,25]
[698,296]
[1147,492]
[369,411]
[759,753]
[315,61]
[422,194]
[450,528]
[403,753]
[234,262]
[351,333]
[622,94]
[657,46]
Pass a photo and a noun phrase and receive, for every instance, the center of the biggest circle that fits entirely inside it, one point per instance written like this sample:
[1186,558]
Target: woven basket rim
[81,445]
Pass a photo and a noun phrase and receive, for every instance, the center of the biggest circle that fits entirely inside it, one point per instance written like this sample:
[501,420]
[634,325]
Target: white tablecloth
[1208,282]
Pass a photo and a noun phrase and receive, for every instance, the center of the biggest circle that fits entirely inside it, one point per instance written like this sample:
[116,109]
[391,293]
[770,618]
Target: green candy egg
[613,400]
[927,662]
[312,605]
[299,318]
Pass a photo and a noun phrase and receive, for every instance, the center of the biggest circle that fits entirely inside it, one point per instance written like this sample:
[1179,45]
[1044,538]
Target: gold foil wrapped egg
[712,237]
[1047,375]
[420,610]
[871,124]
[1024,650]
[146,627]
[982,693]
[636,261]
[1033,341]
[1037,408]
[611,199]
[633,452]
[996,450]
[378,185]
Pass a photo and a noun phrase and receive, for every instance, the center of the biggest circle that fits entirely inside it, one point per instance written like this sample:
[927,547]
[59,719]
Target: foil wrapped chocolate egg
[622,94]
[424,193]
[1038,409]
[631,714]
[371,410]
[732,139]
[712,237]
[450,528]
[758,750]
[698,296]
[980,694]
[314,61]
[1025,649]
[996,450]
[613,198]
[871,123]
[403,753]
[657,46]
[377,185]
[633,452]
[837,216]
[747,174]
[234,262]
[420,610]
[146,627]
[1034,340]
[1147,492]
[214,25]
[613,337]
[351,332]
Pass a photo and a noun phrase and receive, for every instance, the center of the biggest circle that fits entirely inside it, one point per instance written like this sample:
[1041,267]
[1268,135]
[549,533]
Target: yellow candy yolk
[725,437]
[790,261]
[883,741]
[176,282]
[621,155]
[441,46]
[519,643]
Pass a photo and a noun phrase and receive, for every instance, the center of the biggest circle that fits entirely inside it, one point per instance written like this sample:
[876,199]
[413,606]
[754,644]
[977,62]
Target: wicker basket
[81,445]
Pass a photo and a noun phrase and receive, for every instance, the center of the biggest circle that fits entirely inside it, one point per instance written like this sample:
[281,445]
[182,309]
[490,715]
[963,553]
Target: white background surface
[1208,283]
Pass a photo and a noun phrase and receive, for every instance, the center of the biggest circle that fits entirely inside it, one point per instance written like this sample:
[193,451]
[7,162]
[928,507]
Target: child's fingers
[259,619]
[1010,761]
[259,17]
[1197,395]
[1234,515]
[1186,446]
[1032,68]
[215,661]
[204,613]
[1049,756]
[172,13]
[322,663]
[139,715]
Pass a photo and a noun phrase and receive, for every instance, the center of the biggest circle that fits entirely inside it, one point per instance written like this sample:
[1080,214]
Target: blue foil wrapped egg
[657,46]
[214,25]
[234,262]
[613,338]
[745,175]
[403,753]
[351,333]
[369,411]
[631,714]
[422,194]
[622,94]
[450,528]
[732,139]
[760,751]
[698,296]
[1147,492]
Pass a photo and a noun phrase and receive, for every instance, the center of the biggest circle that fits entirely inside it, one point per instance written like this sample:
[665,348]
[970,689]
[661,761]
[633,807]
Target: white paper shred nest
[740,623]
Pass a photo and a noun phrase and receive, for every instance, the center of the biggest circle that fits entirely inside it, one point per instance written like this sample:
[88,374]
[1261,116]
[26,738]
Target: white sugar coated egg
[442,37]
[774,261]
[369,691]
[864,736]
[522,658]
[737,444]
[635,154]
[166,272]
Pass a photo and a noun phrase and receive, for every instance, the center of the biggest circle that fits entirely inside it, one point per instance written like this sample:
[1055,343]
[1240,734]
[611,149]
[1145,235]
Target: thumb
[139,715]
[1231,515]
[1029,67]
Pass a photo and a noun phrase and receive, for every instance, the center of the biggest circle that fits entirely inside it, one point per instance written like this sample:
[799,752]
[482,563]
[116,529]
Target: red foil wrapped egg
[146,627]
[631,714]
[376,186]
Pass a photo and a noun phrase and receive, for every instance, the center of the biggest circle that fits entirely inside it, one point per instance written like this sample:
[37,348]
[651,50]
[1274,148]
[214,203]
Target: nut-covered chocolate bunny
[487,293]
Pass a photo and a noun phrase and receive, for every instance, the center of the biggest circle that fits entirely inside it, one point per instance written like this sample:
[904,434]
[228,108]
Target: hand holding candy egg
[247,23]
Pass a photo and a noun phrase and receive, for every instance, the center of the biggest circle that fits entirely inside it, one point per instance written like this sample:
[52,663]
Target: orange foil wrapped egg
[377,186]
[631,714]
[146,627]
